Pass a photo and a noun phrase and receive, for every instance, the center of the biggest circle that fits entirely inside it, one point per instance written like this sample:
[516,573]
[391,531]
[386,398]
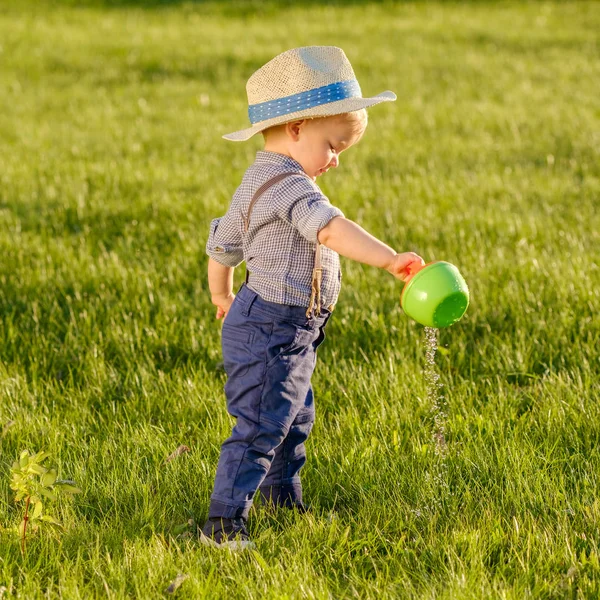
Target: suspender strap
[259,192]
[315,294]
[317,274]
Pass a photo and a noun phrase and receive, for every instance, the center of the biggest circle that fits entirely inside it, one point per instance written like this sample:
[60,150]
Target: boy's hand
[223,304]
[404,265]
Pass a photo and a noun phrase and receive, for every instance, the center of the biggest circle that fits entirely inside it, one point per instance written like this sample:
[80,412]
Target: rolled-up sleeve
[225,242]
[302,204]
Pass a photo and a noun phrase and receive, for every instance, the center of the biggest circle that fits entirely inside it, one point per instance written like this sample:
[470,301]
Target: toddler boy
[309,108]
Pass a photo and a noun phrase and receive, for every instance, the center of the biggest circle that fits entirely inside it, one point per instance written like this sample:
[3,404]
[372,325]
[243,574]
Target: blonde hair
[357,119]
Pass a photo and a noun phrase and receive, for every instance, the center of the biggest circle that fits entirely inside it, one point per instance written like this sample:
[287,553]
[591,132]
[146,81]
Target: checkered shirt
[279,246]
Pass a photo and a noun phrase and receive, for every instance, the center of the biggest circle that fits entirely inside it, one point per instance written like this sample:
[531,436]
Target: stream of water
[435,396]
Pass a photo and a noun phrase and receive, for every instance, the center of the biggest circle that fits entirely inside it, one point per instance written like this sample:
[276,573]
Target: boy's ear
[293,129]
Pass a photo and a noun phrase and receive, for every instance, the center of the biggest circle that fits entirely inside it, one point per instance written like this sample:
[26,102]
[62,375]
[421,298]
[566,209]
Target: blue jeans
[269,353]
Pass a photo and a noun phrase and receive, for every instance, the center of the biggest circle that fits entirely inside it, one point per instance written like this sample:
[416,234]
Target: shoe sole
[231,544]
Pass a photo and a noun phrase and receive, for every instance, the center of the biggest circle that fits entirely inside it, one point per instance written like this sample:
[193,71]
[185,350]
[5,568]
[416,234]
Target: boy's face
[318,143]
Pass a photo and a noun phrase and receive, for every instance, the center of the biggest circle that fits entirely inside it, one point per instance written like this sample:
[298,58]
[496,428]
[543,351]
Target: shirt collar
[274,158]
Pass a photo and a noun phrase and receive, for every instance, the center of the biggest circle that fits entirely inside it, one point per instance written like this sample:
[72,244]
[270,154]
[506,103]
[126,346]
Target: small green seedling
[31,481]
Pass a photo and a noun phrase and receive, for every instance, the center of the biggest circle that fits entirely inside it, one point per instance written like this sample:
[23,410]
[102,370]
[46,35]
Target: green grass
[111,167]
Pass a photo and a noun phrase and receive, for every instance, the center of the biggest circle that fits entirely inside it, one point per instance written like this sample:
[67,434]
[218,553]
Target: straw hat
[315,81]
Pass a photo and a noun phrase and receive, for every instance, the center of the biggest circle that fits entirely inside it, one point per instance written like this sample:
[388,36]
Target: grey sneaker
[226,533]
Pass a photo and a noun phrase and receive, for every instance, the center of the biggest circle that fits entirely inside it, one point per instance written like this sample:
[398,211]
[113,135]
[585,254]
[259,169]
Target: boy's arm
[220,283]
[350,240]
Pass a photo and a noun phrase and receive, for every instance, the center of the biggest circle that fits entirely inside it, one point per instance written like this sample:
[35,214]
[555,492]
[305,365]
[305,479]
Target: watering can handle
[413,269]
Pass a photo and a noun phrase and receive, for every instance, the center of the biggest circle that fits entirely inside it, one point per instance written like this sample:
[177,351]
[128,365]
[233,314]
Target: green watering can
[436,295]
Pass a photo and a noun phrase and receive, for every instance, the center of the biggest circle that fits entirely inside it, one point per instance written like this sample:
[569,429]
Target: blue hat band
[303,100]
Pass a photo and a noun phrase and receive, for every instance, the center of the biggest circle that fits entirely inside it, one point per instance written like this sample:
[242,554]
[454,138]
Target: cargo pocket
[236,343]
[289,340]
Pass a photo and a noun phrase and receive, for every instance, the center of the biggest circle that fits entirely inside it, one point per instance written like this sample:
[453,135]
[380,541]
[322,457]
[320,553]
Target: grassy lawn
[111,168]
